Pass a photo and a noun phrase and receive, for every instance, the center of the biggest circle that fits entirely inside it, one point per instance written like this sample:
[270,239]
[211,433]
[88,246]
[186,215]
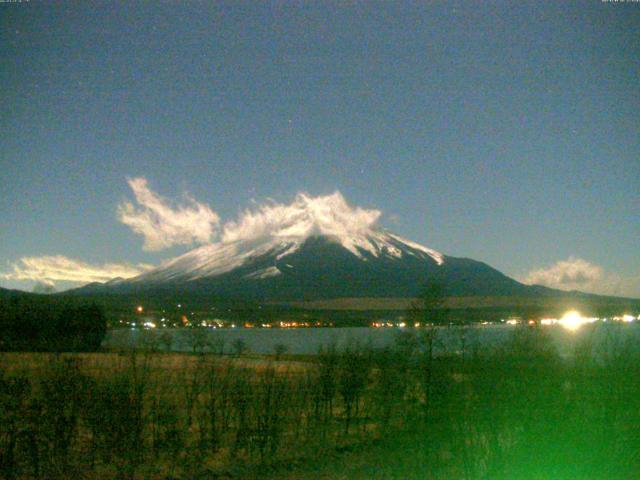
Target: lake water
[448,339]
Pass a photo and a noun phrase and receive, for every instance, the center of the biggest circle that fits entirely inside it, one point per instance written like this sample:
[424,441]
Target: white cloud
[569,274]
[306,215]
[49,269]
[163,225]
[579,274]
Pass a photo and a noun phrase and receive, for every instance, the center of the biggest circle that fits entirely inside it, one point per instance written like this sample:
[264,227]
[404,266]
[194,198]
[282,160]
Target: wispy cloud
[579,274]
[570,274]
[306,215]
[49,269]
[163,225]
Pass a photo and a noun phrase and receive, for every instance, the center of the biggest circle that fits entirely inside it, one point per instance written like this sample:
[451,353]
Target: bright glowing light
[628,318]
[512,321]
[149,325]
[572,320]
[548,321]
[139,309]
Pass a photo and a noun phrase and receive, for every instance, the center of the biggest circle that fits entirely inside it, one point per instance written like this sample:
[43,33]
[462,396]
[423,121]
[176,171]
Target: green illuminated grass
[520,412]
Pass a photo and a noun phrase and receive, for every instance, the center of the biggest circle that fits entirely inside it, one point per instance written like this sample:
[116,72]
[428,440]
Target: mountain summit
[270,257]
[315,248]
[373,264]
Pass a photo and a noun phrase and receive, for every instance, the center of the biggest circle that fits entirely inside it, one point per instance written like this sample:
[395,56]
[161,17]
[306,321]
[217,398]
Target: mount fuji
[375,264]
[315,248]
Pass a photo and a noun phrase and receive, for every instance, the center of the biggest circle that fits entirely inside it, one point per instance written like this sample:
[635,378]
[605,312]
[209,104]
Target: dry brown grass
[397,413]
[35,362]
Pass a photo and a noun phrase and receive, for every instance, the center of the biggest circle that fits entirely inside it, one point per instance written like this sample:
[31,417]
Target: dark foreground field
[517,413]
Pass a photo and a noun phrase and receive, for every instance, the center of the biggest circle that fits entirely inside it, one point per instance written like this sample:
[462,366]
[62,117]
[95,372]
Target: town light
[573,320]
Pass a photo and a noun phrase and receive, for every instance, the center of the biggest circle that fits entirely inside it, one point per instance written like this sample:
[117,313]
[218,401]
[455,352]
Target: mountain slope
[312,249]
[371,264]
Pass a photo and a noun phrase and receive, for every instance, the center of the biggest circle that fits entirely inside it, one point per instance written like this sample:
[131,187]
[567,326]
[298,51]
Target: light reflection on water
[601,337]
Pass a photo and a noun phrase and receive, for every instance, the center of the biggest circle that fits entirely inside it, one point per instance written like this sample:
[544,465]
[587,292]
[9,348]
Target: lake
[613,336]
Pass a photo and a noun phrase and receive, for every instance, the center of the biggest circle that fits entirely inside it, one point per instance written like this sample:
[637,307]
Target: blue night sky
[504,132]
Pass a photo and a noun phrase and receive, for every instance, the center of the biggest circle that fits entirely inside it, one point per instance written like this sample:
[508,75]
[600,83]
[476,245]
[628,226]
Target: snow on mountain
[312,249]
[218,258]
[214,259]
[276,231]
[264,273]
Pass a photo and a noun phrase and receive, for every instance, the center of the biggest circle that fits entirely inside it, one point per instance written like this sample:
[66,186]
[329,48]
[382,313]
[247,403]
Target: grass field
[517,413]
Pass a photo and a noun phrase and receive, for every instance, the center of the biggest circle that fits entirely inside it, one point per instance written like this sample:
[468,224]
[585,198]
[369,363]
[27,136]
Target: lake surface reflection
[601,336]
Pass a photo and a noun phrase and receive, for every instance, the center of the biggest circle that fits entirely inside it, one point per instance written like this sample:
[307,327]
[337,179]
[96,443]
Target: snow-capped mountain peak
[275,231]
[313,248]
[222,257]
